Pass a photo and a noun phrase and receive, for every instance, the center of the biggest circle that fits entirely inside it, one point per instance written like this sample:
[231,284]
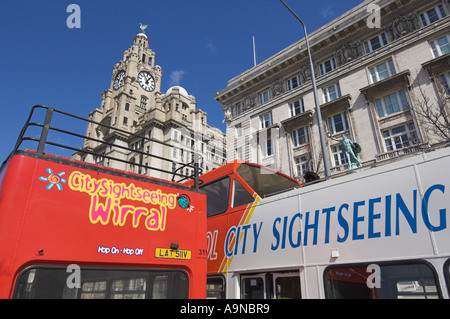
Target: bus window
[399,281]
[240,195]
[252,288]
[287,286]
[447,274]
[101,283]
[217,196]
[264,181]
[215,287]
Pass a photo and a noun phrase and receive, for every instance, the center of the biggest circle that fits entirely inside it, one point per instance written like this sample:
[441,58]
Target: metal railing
[47,127]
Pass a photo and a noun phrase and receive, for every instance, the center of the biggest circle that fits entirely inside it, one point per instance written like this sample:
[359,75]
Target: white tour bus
[379,233]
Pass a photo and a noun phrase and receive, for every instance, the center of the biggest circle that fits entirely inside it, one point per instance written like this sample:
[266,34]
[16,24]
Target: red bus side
[57,212]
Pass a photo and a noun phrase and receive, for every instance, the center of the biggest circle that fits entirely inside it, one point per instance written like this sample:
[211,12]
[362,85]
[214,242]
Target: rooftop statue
[143,27]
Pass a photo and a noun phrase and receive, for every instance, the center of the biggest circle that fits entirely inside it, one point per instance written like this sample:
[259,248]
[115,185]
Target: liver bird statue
[143,27]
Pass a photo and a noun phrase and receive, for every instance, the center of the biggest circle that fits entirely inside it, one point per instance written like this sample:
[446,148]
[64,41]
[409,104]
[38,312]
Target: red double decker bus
[69,229]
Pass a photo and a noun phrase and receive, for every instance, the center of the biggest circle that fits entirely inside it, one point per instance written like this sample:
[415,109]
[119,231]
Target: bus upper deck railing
[42,138]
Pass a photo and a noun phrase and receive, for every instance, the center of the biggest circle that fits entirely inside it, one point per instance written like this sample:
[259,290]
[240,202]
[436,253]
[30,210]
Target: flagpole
[254,52]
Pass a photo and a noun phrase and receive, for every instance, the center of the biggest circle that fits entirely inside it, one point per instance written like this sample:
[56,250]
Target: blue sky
[200,45]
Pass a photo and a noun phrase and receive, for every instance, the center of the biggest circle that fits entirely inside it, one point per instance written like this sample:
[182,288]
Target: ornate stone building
[167,128]
[383,77]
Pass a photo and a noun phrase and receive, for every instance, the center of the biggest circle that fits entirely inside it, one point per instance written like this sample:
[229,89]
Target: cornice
[335,35]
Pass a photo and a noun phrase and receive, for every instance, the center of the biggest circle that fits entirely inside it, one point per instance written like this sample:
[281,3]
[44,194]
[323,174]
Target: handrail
[46,128]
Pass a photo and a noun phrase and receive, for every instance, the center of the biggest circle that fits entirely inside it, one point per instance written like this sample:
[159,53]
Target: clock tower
[135,84]
[134,89]
[135,104]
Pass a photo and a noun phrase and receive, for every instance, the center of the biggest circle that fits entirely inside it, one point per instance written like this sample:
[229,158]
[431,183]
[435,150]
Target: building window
[144,102]
[445,83]
[327,66]
[238,129]
[332,92]
[239,153]
[391,103]
[302,164]
[267,147]
[382,71]
[174,153]
[432,15]
[125,120]
[400,137]
[294,82]
[237,109]
[338,155]
[264,97]
[175,135]
[440,46]
[127,106]
[375,43]
[338,123]
[300,136]
[266,120]
[297,107]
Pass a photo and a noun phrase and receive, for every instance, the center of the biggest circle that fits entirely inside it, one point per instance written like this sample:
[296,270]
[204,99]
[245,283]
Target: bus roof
[263,180]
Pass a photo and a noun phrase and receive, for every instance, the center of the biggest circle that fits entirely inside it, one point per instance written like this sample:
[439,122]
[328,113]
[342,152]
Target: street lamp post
[326,161]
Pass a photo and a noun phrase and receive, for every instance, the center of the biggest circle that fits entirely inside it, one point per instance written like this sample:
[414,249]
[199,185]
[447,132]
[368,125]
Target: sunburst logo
[53,179]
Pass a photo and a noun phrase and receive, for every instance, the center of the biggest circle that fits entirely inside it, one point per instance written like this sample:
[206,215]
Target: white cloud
[176,76]
[327,12]
[210,46]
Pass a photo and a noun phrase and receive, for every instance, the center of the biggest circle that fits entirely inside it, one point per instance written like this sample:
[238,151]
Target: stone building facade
[382,72]
[156,132]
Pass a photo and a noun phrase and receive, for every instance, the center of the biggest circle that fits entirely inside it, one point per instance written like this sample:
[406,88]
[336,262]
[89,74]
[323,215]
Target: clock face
[146,81]
[118,81]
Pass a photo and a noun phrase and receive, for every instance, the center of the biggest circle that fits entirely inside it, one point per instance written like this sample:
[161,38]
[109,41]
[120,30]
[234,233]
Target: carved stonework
[249,101]
[348,52]
[402,26]
[277,87]
[305,73]
[226,109]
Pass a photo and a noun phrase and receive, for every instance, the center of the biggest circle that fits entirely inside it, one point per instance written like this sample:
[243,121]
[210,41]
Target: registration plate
[172,253]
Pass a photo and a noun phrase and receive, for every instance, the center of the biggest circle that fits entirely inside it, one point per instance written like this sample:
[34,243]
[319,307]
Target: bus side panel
[75,215]
[394,212]
[14,190]
[199,249]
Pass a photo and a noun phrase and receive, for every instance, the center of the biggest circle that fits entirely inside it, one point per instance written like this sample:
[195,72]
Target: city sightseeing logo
[143,207]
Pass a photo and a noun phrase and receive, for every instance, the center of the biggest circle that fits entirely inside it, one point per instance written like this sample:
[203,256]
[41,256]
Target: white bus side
[379,233]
